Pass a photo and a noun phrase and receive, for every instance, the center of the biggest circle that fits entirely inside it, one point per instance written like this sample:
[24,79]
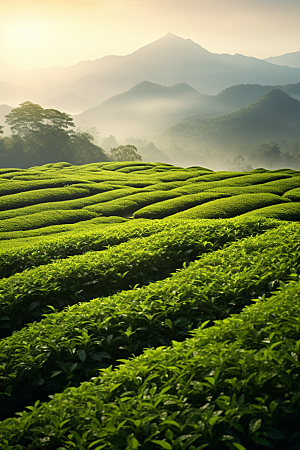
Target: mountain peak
[277,95]
[171,50]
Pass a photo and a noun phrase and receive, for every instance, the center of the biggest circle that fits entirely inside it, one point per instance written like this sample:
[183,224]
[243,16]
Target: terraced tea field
[147,306]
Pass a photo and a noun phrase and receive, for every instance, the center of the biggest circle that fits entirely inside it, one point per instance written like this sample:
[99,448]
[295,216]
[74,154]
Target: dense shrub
[230,207]
[288,211]
[293,194]
[44,219]
[234,383]
[165,208]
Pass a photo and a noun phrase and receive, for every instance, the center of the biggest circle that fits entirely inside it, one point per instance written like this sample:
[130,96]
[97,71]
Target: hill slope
[143,109]
[173,334]
[275,116]
[149,108]
[288,59]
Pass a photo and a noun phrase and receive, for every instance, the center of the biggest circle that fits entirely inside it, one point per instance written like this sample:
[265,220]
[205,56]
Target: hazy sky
[45,33]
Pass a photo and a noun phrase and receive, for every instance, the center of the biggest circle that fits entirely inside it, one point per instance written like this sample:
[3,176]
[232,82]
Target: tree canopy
[41,136]
[125,153]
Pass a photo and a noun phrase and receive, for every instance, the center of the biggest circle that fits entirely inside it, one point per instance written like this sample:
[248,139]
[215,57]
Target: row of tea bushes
[112,192]
[132,202]
[25,296]
[102,188]
[42,195]
[166,208]
[44,219]
[234,385]
[66,348]
[287,211]
[293,194]
[18,186]
[18,255]
[7,237]
[230,206]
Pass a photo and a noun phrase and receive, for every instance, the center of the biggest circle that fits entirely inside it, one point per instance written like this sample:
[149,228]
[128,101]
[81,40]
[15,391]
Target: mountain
[172,60]
[275,116]
[149,108]
[145,108]
[288,59]
[236,97]
[167,61]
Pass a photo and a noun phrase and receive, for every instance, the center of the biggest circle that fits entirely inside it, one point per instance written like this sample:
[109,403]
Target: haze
[40,34]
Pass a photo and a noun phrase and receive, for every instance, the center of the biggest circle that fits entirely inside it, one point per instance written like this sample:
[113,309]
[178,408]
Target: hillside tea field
[148,306]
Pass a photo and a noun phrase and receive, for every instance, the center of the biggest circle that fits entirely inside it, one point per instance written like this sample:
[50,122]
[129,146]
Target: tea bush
[165,208]
[230,207]
[132,202]
[41,195]
[288,211]
[25,296]
[44,219]
[235,384]
[95,334]
[293,194]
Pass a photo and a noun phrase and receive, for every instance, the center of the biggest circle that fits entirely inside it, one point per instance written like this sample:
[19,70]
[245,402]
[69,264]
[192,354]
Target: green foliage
[132,203]
[44,219]
[62,230]
[25,296]
[210,288]
[45,135]
[288,211]
[166,208]
[230,207]
[125,153]
[224,385]
[42,195]
[34,252]
[293,195]
[83,291]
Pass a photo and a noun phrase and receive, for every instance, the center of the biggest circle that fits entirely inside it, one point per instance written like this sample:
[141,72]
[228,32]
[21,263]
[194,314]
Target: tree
[1,129]
[109,142]
[267,155]
[84,151]
[125,153]
[46,132]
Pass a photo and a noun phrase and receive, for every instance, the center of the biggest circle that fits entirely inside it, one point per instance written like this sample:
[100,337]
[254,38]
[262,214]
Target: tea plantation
[147,306]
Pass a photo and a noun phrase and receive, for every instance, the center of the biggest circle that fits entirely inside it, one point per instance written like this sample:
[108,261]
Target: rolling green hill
[147,306]
[274,116]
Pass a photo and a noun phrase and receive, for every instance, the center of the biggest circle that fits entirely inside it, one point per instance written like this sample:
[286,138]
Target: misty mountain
[172,60]
[288,59]
[167,61]
[143,109]
[149,108]
[275,116]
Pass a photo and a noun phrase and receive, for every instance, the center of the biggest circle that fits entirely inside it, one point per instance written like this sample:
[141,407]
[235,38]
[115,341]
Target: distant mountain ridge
[275,116]
[288,59]
[167,61]
[150,108]
[146,107]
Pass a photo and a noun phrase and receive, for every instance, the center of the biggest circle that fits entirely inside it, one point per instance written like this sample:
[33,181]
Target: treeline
[41,136]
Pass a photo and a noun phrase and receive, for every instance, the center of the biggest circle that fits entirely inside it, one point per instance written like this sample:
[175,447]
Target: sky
[47,33]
